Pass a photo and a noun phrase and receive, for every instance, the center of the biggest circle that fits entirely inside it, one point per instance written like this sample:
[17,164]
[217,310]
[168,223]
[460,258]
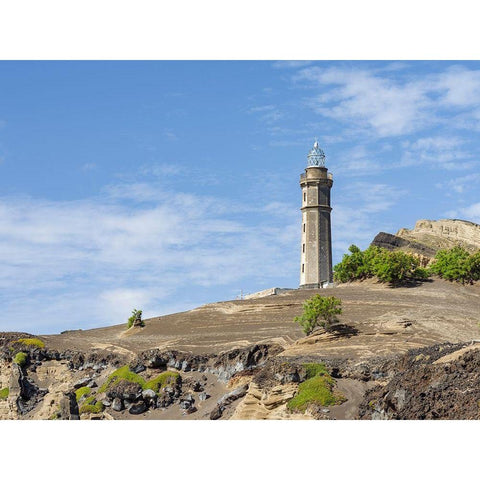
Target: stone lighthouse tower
[316,246]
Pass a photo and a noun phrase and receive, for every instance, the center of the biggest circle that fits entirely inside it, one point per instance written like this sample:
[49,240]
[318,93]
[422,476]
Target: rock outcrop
[429,236]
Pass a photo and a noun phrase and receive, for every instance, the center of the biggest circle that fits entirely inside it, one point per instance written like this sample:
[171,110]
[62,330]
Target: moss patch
[123,373]
[91,405]
[165,378]
[318,389]
[35,342]
[20,359]
[314,369]
[4,392]
[80,392]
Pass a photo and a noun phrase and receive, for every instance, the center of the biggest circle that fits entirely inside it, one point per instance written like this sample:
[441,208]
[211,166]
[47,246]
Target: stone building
[316,244]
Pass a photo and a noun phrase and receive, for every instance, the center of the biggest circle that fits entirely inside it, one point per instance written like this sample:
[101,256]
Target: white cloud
[460,184]
[471,213]
[443,152]
[383,103]
[92,261]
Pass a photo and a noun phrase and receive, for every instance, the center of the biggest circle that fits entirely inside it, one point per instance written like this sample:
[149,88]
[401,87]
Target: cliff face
[429,236]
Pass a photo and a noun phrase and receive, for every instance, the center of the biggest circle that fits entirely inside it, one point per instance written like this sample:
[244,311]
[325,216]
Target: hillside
[236,359]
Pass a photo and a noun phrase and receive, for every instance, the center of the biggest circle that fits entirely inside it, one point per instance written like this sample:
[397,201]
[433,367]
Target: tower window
[303,227]
[304,196]
[303,248]
[303,268]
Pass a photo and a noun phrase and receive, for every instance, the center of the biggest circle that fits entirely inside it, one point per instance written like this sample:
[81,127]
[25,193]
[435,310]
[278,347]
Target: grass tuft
[91,405]
[314,369]
[36,342]
[318,389]
[20,359]
[123,373]
[165,378]
[80,392]
[4,392]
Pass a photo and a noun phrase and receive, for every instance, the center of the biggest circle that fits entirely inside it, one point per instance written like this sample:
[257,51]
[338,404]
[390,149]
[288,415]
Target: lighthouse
[316,240]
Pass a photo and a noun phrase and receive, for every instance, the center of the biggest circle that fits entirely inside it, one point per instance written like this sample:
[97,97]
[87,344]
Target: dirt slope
[379,321]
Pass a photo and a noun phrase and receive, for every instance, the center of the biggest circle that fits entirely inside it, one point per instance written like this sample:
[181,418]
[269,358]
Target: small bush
[4,392]
[123,373]
[135,319]
[82,391]
[319,310]
[318,389]
[315,391]
[165,378]
[20,359]
[314,369]
[90,405]
[36,342]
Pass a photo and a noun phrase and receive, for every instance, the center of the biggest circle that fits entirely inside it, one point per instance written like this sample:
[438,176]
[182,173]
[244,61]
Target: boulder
[138,408]
[117,404]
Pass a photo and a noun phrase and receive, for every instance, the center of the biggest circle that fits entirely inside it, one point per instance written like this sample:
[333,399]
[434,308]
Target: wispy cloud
[267,113]
[471,213]
[385,104]
[443,152]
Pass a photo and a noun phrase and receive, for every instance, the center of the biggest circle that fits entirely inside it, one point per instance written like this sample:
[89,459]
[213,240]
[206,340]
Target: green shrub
[91,405]
[317,390]
[4,392]
[314,369]
[165,378]
[456,264]
[395,267]
[123,373]
[319,310]
[20,359]
[135,318]
[36,342]
[80,392]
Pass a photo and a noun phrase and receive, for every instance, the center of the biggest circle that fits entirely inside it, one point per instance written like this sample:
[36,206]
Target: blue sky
[166,185]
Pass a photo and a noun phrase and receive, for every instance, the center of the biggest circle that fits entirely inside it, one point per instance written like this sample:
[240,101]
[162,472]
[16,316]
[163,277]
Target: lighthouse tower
[316,244]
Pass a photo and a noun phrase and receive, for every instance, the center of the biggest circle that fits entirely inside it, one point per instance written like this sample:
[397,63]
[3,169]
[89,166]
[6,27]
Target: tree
[317,311]
[457,264]
[136,319]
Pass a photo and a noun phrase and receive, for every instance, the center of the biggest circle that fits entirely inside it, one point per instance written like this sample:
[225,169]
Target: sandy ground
[381,320]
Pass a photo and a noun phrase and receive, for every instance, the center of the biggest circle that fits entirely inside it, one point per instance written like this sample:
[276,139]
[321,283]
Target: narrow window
[303,248]
[304,196]
[303,227]
[303,268]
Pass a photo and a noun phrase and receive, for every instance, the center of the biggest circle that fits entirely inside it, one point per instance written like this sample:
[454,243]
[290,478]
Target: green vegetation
[318,389]
[4,392]
[91,405]
[317,311]
[123,373]
[314,369]
[36,342]
[135,319]
[395,267]
[165,378]
[82,391]
[456,264]
[20,359]
[55,416]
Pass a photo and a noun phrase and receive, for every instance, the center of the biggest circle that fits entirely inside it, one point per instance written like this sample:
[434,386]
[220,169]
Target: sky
[165,185]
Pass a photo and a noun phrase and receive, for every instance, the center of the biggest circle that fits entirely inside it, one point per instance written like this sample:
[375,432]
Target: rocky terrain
[429,236]
[397,353]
